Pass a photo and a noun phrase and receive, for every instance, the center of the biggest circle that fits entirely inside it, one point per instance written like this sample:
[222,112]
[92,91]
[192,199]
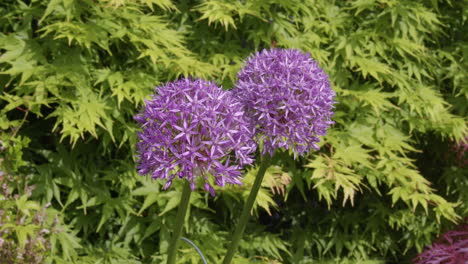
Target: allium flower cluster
[288,97]
[192,129]
[451,248]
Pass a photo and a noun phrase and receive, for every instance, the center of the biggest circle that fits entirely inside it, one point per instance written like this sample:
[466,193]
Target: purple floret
[288,98]
[193,129]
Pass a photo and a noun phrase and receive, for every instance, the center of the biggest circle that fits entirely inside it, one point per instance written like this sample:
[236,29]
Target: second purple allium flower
[192,129]
[288,97]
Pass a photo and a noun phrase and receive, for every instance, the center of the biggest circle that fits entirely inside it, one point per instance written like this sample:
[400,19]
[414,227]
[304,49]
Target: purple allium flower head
[451,248]
[192,129]
[288,97]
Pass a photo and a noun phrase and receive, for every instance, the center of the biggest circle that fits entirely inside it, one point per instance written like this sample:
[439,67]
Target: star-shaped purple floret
[288,99]
[192,129]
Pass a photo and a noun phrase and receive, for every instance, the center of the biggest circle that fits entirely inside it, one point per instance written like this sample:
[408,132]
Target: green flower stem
[300,246]
[180,219]
[265,163]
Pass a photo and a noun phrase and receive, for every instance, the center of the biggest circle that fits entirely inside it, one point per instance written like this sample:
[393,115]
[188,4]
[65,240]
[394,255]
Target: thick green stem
[180,219]
[300,246]
[246,210]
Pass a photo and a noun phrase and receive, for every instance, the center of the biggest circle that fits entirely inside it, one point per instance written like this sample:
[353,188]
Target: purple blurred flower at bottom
[288,98]
[461,152]
[193,129]
[450,248]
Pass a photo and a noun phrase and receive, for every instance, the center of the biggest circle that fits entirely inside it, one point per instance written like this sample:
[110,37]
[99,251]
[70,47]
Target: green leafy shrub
[30,233]
[73,73]
[23,237]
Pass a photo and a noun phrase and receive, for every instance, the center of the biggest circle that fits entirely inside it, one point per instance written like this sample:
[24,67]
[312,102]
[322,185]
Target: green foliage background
[384,184]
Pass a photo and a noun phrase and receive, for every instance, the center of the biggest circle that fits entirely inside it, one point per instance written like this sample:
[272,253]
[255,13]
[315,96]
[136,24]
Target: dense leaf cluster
[73,73]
